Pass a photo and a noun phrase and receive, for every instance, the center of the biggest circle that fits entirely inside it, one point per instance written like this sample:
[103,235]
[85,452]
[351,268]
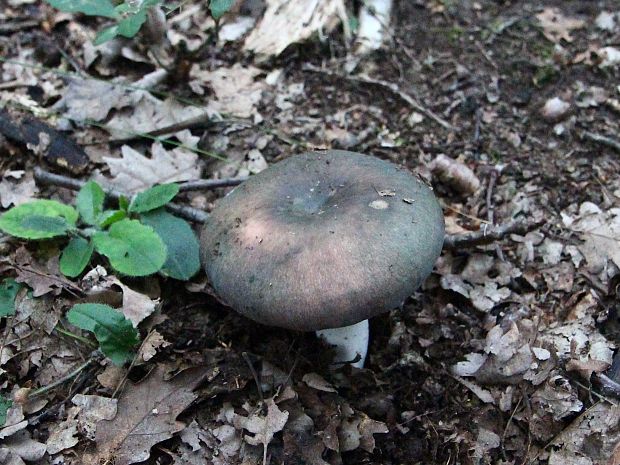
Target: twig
[18,26]
[387,85]
[197,122]
[601,139]
[45,177]
[64,379]
[488,234]
[491,210]
[207,184]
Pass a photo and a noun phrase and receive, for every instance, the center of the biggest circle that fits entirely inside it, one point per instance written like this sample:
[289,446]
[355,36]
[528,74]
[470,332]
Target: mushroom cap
[322,240]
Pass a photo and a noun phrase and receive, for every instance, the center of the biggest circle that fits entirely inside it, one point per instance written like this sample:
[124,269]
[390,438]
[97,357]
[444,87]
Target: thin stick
[207,184]
[45,177]
[488,234]
[64,379]
[387,85]
[601,139]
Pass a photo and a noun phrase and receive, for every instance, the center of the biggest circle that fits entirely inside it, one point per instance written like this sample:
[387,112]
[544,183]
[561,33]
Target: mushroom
[321,242]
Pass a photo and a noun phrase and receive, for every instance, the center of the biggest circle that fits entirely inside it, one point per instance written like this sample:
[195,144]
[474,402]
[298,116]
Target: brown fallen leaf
[41,279]
[147,414]
[556,26]
[263,428]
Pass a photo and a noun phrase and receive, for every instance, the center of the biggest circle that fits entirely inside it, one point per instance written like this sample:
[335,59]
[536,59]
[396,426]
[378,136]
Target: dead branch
[45,177]
[488,234]
[387,85]
[208,184]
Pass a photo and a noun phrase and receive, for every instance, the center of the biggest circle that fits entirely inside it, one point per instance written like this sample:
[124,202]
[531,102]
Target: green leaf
[88,7]
[106,34]
[110,216]
[40,219]
[115,333]
[123,203]
[8,291]
[132,248]
[76,256]
[90,202]
[153,198]
[183,259]
[5,405]
[130,26]
[220,7]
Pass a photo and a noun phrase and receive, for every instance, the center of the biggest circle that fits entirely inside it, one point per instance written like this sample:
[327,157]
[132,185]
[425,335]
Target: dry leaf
[294,21]
[147,414]
[134,172]
[93,409]
[16,193]
[149,113]
[150,345]
[556,26]
[262,428]
[317,382]
[236,89]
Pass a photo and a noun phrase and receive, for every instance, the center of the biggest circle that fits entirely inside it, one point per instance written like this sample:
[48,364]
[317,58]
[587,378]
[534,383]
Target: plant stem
[77,337]
[64,379]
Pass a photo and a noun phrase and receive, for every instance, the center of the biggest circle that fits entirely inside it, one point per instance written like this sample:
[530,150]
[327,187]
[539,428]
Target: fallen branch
[387,85]
[45,177]
[207,184]
[452,241]
[488,234]
[601,139]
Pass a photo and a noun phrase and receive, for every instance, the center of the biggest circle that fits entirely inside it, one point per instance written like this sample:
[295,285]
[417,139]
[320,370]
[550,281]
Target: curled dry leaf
[455,174]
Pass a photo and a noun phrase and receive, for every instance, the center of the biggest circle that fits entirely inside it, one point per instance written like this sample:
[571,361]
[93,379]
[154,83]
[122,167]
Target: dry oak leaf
[262,428]
[134,172]
[147,414]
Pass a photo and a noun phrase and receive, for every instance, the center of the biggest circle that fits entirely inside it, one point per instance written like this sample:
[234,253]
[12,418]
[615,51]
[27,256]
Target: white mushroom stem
[348,342]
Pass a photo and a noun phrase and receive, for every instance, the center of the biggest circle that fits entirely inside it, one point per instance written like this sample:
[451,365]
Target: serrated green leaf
[88,7]
[153,198]
[183,259]
[115,333]
[5,405]
[220,7]
[132,248]
[8,291]
[110,216]
[76,256]
[89,202]
[40,219]
[106,34]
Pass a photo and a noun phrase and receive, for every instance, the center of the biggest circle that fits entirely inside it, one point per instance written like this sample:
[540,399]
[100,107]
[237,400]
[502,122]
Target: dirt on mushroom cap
[322,240]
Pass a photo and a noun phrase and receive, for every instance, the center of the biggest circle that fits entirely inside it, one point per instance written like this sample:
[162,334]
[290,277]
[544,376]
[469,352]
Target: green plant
[128,15]
[8,291]
[5,405]
[115,334]
[139,238]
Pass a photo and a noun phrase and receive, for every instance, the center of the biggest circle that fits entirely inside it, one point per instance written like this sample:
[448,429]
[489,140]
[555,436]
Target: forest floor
[504,356]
